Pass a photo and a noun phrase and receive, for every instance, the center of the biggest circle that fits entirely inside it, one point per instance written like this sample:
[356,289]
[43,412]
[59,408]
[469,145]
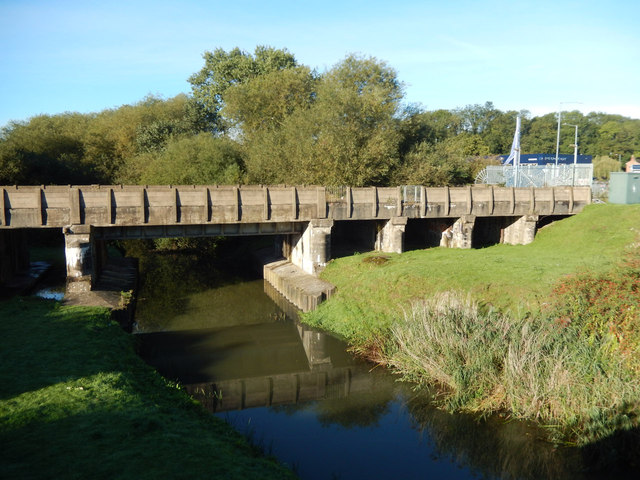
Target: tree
[226,69]
[419,126]
[604,165]
[265,101]
[45,150]
[450,162]
[200,159]
[477,118]
[347,135]
[539,135]
[498,136]
[620,137]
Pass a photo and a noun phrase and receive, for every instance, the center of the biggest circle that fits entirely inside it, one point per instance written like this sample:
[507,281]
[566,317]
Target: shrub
[604,306]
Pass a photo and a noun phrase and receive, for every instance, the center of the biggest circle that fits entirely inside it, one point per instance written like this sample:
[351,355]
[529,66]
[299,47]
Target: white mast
[514,155]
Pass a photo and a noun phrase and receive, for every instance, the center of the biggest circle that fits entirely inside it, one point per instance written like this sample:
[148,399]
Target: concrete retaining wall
[303,290]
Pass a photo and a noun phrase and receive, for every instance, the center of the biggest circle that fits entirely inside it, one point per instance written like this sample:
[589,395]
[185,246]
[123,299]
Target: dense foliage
[262,117]
[604,307]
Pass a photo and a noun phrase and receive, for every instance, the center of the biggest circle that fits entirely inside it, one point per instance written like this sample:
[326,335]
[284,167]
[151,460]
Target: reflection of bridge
[285,389]
[276,363]
[305,218]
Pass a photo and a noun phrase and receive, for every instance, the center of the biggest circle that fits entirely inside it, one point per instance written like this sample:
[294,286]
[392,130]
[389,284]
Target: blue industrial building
[549,158]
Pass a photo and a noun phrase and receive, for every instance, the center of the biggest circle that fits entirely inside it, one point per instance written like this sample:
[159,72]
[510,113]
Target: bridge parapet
[106,206]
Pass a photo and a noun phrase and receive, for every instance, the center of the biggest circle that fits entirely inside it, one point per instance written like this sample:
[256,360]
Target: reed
[529,367]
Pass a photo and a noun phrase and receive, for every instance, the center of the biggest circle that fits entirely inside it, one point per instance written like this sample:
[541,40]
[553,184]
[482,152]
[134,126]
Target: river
[239,349]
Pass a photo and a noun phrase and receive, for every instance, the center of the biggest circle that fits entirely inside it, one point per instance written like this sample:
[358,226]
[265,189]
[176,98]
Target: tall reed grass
[528,367]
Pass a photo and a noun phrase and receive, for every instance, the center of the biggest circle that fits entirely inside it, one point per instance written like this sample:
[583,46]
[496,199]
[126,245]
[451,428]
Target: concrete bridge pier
[390,238]
[310,250]
[85,256]
[460,234]
[522,231]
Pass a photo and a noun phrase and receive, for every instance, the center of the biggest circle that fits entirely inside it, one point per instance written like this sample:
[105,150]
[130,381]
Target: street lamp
[558,137]
[575,151]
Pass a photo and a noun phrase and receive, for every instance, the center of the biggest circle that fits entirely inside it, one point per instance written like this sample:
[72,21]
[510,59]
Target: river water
[239,349]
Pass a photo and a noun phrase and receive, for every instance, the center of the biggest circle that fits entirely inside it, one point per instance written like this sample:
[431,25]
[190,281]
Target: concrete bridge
[307,220]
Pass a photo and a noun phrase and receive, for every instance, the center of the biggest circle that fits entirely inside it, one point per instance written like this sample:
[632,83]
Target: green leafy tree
[226,69]
[450,162]
[603,165]
[539,135]
[200,159]
[476,119]
[45,150]
[265,101]
[498,135]
[619,137]
[348,135]
[418,126]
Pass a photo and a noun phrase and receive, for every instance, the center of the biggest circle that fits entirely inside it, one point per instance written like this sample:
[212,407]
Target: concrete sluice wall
[303,290]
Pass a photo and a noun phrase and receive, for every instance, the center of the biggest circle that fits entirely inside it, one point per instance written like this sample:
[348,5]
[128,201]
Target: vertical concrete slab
[461,233]
[522,231]
[312,250]
[79,257]
[390,238]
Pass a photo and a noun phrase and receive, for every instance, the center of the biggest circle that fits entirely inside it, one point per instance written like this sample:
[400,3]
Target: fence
[537,175]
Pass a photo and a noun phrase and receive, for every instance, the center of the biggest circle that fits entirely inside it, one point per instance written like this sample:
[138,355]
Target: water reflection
[299,394]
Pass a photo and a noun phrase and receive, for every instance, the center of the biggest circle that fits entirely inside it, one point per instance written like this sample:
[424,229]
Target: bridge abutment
[310,250]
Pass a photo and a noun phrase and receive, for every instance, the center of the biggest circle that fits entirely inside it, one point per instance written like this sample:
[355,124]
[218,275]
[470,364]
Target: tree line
[264,118]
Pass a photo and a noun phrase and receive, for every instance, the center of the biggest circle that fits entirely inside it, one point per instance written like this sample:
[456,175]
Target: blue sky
[87,55]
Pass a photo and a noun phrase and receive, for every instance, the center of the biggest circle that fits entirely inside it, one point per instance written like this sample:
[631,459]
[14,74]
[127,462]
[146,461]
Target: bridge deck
[107,206]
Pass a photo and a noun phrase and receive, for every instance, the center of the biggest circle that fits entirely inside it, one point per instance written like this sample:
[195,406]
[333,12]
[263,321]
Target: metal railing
[580,175]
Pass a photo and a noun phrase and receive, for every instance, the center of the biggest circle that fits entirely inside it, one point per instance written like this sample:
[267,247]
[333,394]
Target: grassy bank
[372,292]
[546,331]
[77,402]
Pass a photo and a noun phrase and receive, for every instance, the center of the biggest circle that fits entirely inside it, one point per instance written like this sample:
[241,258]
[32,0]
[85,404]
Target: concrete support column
[460,234]
[390,239]
[79,253]
[522,231]
[312,250]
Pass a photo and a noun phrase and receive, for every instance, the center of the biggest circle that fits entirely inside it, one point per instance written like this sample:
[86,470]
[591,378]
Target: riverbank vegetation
[77,402]
[546,331]
[263,117]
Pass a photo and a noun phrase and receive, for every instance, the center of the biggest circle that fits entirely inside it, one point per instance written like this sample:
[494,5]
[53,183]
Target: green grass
[77,402]
[514,279]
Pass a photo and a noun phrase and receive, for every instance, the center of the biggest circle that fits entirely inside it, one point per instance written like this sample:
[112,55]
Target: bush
[604,307]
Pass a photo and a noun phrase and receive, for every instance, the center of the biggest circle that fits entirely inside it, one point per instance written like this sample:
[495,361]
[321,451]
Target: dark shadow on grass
[138,443]
[43,344]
